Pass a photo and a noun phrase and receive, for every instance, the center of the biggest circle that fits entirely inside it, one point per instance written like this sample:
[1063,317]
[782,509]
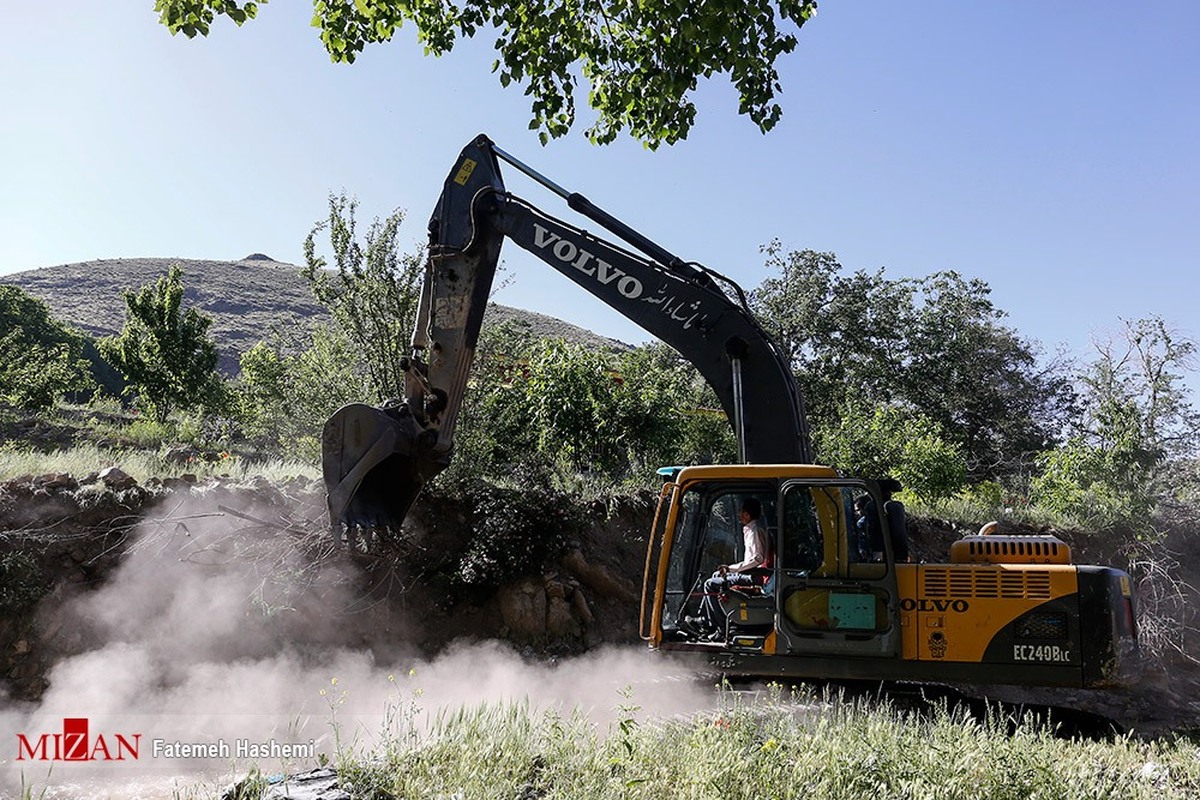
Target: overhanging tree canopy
[642,58]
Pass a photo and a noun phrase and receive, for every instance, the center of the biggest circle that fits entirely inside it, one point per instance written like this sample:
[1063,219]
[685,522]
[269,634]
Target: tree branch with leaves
[642,60]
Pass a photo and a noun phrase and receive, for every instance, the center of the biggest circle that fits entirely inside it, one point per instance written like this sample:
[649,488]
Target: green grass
[973,511]
[803,748]
[82,459]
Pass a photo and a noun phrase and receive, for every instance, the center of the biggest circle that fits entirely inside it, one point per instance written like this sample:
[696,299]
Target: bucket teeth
[366,535]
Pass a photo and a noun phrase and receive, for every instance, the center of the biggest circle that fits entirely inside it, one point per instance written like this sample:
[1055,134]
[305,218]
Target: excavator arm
[375,460]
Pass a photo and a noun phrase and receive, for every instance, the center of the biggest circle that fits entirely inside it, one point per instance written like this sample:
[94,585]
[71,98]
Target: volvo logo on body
[934,604]
[586,262]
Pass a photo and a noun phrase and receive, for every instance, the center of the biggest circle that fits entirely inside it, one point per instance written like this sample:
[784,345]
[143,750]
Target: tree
[842,334]
[262,390]
[1137,417]
[934,345]
[40,358]
[642,60]
[978,379]
[671,413]
[550,409]
[164,351]
[1142,371]
[284,400]
[372,290]
[889,440]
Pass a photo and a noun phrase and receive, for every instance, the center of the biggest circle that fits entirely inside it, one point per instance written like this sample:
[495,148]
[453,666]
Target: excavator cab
[824,595]
[1001,610]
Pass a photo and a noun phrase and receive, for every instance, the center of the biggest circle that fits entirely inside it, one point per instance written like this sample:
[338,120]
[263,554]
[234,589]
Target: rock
[597,578]
[18,483]
[177,484]
[559,620]
[182,454]
[265,491]
[116,478]
[21,647]
[55,480]
[522,606]
[555,590]
[582,610]
[90,478]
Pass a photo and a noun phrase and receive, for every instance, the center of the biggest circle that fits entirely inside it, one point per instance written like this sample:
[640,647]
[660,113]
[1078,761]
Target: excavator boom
[375,460]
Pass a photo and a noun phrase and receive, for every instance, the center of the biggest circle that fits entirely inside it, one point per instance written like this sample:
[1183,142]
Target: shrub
[40,358]
[888,440]
[514,532]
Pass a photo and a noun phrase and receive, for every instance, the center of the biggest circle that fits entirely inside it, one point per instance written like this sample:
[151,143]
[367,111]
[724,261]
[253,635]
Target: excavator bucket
[374,462]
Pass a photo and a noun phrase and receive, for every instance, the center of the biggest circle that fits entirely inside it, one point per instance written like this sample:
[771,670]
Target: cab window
[708,533]
[828,528]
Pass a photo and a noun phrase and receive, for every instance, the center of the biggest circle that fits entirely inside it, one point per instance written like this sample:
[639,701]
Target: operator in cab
[756,555]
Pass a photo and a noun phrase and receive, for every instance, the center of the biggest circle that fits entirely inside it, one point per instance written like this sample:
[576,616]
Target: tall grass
[801,749]
[82,459]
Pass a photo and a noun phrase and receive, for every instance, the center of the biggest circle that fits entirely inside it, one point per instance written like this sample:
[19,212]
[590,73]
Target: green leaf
[648,56]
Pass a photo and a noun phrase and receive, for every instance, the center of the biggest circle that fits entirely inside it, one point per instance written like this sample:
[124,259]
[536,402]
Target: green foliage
[933,344]
[669,412]
[1135,391]
[513,533]
[554,411]
[40,358]
[547,407]
[147,432]
[262,392]
[82,459]
[570,396]
[642,60]
[371,291]
[1077,479]
[1137,415]
[22,581]
[892,441]
[283,401]
[491,437]
[986,494]
[164,351]
[838,749]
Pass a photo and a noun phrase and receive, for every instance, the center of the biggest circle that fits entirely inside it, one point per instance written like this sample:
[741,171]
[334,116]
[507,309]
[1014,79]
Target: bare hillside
[249,300]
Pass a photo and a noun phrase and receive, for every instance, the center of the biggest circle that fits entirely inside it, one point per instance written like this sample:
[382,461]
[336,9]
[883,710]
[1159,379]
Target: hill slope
[249,300]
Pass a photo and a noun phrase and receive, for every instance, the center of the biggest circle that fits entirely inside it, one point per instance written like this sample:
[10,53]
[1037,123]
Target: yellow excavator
[1002,610]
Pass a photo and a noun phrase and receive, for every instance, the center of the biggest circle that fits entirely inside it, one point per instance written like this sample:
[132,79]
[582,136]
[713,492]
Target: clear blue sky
[1050,149]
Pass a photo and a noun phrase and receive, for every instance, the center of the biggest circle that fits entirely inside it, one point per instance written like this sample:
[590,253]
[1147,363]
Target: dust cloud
[215,631]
